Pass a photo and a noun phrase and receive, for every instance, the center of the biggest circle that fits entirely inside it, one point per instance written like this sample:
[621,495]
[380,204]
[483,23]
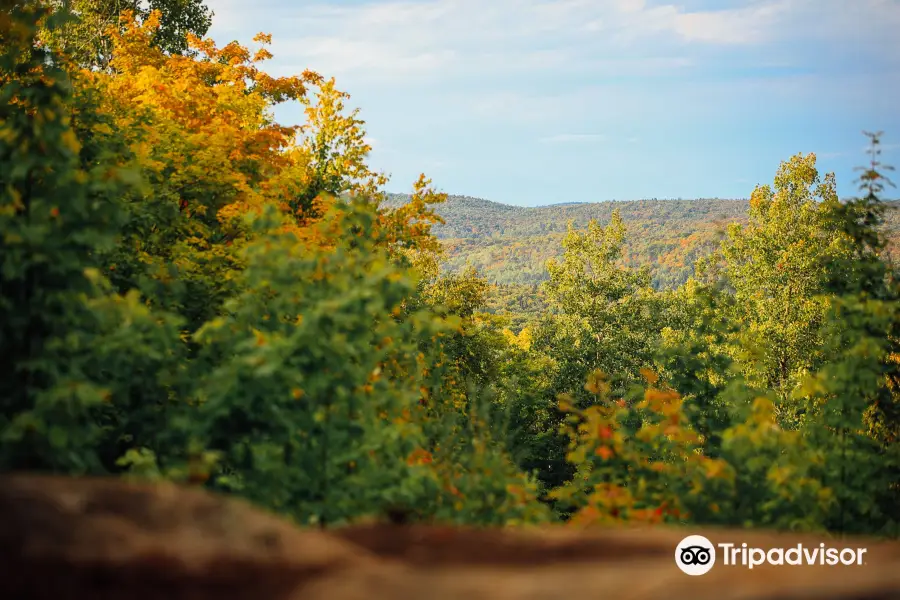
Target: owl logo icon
[695,555]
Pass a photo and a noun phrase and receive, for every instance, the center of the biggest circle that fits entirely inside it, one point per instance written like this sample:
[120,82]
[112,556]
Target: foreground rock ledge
[108,539]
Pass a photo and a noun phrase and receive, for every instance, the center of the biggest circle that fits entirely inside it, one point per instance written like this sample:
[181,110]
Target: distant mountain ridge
[511,244]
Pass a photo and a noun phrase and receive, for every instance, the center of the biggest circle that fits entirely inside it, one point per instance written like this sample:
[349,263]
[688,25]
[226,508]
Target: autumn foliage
[192,291]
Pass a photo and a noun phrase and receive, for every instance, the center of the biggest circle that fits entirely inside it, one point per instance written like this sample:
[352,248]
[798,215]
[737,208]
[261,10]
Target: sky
[533,102]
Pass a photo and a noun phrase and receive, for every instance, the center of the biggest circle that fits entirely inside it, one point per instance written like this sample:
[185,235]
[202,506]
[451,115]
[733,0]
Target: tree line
[194,292]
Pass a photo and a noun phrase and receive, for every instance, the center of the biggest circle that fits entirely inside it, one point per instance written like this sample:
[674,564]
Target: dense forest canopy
[191,291]
[510,245]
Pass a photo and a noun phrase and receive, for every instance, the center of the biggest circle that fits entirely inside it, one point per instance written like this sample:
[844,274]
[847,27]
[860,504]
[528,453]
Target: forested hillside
[192,291]
[510,245]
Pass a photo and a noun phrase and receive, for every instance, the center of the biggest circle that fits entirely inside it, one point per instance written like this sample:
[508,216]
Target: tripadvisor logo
[696,555]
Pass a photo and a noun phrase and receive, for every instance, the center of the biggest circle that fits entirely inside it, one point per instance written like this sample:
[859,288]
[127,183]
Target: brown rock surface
[100,539]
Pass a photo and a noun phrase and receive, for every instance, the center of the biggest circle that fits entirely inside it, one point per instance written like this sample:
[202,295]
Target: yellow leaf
[649,376]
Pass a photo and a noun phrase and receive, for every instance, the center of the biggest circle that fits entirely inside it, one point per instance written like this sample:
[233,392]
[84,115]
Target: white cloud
[740,26]
[391,40]
[623,67]
[565,138]
[396,38]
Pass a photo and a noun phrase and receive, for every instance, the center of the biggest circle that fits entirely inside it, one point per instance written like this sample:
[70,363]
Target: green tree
[856,390]
[603,316]
[478,346]
[608,317]
[86,40]
[778,266]
[85,372]
[694,358]
[305,383]
[526,409]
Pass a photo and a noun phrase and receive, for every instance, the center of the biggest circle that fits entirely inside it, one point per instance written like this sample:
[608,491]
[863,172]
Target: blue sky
[535,102]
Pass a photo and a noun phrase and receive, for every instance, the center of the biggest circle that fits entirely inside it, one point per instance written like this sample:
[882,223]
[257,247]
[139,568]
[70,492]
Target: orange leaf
[604,452]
